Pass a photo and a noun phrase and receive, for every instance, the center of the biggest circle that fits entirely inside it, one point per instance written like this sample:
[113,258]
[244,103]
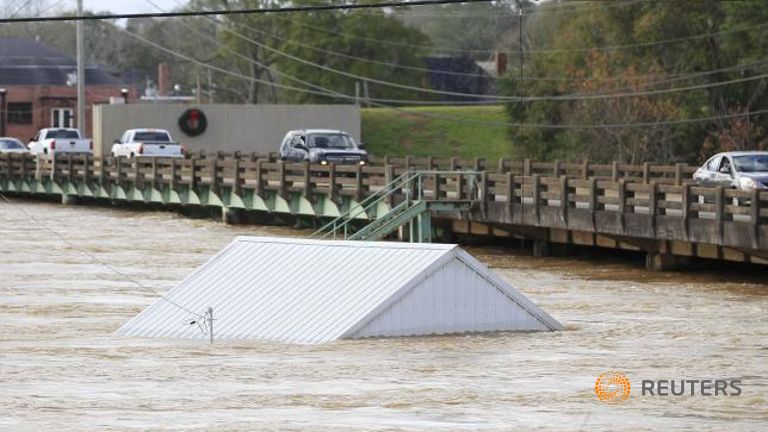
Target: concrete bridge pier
[69,199]
[659,261]
[231,216]
[540,248]
[402,233]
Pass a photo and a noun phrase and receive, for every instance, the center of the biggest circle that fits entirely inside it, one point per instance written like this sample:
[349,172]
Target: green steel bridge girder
[294,203]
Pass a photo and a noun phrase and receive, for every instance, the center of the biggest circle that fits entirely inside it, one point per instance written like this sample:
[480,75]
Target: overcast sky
[127,6]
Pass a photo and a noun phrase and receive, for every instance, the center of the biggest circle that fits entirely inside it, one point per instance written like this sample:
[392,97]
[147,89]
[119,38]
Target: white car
[12,145]
[147,143]
[745,170]
[59,140]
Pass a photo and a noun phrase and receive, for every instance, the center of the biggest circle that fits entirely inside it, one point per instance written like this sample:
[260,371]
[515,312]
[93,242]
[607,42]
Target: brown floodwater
[62,369]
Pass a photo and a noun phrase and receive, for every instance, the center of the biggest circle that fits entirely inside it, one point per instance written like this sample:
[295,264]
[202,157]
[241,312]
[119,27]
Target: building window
[20,113]
[62,118]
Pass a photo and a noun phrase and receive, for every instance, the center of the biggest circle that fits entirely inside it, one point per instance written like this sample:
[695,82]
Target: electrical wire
[248,11]
[93,257]
[442,72]
[542,51]
[24,4]
[573,97]
[332,93]
[650,43]
[542,9]
[231,73]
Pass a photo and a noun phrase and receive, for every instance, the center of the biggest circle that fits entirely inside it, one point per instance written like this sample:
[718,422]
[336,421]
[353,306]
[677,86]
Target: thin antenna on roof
[209,317]
[206,326]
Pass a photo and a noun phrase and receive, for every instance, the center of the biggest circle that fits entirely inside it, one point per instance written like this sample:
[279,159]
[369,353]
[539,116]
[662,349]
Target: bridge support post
[540,248]
[658,261]
[231,216]
[425,228]
[69,199]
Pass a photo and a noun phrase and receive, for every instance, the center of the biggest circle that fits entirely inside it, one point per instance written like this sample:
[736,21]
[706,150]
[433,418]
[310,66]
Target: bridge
[651,208]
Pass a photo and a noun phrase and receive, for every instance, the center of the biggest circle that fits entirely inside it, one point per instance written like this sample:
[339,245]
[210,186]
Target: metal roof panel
[294,290]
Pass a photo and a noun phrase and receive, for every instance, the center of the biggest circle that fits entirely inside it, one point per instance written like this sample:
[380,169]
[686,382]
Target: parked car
[12,145]
[147,143]
[322,146]
[741,170]
[59,140]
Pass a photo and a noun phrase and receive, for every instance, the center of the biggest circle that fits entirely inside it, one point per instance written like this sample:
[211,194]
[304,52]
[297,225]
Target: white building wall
[453,299]
[245,128]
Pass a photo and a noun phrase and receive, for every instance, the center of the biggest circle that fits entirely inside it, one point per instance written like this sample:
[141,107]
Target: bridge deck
[647,207]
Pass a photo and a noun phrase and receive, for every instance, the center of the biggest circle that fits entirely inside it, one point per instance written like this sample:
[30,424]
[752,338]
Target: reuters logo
[612,387]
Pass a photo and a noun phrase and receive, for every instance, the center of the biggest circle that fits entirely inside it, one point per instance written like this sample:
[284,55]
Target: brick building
[38,88]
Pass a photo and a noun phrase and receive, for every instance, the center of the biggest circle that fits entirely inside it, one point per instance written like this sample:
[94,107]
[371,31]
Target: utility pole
[199,89]
[210,87]
[210,322]
[367,94]
[357,93]
[80,71]
[522,59]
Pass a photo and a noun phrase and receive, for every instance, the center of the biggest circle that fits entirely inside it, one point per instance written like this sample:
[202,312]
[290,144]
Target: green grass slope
[398,133]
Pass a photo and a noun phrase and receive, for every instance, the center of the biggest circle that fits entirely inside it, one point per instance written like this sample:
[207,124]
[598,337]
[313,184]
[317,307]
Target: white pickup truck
[147,143]
[59,140]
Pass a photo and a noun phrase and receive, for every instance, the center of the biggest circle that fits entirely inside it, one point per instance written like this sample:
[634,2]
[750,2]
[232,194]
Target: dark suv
[322,146]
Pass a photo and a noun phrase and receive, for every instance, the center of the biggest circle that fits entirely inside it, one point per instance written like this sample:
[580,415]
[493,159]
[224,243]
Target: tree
[356,35]
[641,47]
[471,29]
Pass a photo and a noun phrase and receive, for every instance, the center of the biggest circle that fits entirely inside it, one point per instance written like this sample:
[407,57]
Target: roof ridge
[348,243]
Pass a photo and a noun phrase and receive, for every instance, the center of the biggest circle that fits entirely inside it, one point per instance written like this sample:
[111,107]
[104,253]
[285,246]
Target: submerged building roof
[314,291]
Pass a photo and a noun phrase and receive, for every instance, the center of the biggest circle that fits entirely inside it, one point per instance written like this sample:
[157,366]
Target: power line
[323,91]
[454,118]
[248,11]
[466,74]
[228,72]
[543,51]
[642,93]
[406,45]
[54,5]
[92,256]
[573,97]
[442,72]
[445,72]
[540,9]
[360,77]
[471,95]
[328,92]
[649,43]
[407,67]
[409,102]
[19,9]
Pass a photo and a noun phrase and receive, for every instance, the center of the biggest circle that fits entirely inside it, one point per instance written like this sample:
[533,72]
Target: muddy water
[61,368]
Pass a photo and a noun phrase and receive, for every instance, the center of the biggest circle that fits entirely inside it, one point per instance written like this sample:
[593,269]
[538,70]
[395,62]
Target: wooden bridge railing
[597,193]
[672,174]
[653,210]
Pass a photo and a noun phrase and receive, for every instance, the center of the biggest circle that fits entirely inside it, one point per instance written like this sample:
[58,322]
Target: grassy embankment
[397,133]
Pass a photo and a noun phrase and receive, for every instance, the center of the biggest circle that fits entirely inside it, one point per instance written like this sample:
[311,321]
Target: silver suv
[322,146]
[745,170]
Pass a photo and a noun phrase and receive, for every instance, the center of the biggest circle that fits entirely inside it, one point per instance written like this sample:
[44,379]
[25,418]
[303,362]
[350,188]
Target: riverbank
[434,131]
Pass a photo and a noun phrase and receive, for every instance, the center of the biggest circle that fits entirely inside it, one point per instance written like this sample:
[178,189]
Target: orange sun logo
[612,387]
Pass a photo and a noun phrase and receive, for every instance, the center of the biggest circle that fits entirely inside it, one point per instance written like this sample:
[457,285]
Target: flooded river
[62,369]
